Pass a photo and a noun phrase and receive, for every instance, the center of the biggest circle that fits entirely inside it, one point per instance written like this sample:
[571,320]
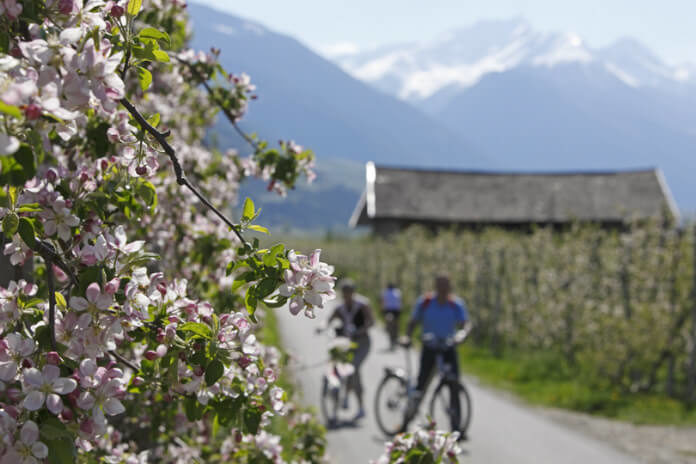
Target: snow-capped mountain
[459,59]
[547,101]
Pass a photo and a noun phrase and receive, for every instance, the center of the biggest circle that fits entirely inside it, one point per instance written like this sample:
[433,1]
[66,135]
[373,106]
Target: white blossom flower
[59,219]
[16,349]
[46,385]
[28,449]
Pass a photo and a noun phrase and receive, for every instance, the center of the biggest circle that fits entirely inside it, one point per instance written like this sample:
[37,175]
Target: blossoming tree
[132,338]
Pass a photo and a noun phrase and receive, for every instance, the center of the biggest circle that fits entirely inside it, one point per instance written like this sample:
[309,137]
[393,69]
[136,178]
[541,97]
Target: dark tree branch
[181,179]
[124,360]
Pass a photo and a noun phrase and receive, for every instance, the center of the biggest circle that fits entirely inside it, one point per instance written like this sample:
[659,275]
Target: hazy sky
[666,26]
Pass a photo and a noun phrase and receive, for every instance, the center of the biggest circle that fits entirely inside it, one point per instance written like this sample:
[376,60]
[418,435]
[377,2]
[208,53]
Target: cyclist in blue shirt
[441,316]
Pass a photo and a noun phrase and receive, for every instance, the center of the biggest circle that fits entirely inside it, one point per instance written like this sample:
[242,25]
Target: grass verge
[544,379]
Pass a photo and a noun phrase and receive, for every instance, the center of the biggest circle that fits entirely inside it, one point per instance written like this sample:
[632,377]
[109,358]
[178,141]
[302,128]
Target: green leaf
[147,192]
[19,167]
[252,419]
[281,301]
[10,109]
[250,300]
[53,429]
[266,287]
[213,372]
[29,208]
[145,78]
[154,120]
[258,228]
[4,43]
[43,337]
[61,450]
[26,231]
[194,410]
[9,224]
[134,7]
[197,328]
[60,300]
[248,211]
[154,34]
[161,56]
[228,410]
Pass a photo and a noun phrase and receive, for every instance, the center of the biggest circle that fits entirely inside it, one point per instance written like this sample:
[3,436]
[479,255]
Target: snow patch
[622,75]
[339,50]
[225,29]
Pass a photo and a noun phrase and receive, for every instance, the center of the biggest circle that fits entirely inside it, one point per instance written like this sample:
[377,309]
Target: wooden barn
[395,198]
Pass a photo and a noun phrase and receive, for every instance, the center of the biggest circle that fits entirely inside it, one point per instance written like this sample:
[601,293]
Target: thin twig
[254,144]
[181,179]
[51,304]
[50,257]
[124,360]
[49,254]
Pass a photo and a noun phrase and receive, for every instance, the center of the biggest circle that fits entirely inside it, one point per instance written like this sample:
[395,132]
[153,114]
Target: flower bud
[87,426]
[14,394]
[117,11]
[161,350]
[32,111]
[67,414]
[137,381]
[65,6]
[53,357]
[112,286]
[150,355]
[51,175]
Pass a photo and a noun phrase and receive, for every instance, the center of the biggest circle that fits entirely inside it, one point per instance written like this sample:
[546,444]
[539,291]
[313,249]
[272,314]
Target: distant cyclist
[355,316]
[391,306]
[441,316]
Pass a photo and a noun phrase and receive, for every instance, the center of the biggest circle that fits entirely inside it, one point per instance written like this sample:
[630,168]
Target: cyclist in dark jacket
[355,315]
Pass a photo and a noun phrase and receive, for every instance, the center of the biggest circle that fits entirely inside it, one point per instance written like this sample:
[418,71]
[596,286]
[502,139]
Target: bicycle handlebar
[439,343]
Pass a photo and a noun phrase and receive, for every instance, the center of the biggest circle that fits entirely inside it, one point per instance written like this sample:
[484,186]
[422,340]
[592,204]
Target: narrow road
[502,431]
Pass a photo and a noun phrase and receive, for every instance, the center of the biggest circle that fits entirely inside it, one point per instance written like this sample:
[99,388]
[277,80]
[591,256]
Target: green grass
[545,379]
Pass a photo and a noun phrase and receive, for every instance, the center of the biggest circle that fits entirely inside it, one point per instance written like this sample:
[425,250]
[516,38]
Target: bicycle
[334,388]
[397,394]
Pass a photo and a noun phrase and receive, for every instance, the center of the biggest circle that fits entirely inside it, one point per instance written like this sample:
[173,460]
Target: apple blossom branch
[181,178]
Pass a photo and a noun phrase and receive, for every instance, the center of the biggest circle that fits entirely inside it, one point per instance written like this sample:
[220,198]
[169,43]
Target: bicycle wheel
[329,401]
[391,401]
[450,406]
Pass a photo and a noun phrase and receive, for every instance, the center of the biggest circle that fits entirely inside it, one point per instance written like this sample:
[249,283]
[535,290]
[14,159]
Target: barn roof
[506,197]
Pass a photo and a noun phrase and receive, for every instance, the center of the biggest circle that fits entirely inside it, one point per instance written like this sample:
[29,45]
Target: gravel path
[502,431]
